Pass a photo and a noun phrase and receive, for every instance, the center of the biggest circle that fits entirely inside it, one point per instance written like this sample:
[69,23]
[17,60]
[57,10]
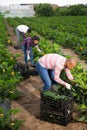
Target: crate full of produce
[56,106]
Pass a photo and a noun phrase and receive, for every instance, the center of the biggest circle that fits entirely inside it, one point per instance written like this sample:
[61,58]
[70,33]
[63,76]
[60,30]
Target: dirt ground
[29,103]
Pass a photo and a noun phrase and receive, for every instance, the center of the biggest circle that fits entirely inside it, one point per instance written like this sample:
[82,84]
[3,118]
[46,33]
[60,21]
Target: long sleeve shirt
[28,42]
[56,62]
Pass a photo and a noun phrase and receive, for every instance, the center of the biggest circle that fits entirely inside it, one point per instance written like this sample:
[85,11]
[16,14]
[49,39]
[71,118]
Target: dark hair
[35,38]
[29,30]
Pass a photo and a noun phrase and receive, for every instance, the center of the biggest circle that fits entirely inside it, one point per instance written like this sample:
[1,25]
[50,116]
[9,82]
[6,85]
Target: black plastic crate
[22,69]
[25,71]
[61,102]
[65,111]
[56,118]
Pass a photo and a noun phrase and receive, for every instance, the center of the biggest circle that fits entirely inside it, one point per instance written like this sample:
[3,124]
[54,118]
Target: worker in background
[27,45]
[21,31]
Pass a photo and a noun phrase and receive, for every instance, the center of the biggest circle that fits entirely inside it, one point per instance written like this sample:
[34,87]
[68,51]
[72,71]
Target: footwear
[33,66]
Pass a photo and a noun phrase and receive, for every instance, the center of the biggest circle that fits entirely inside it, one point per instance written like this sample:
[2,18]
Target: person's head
[29,30]
[35,39]
[71,63]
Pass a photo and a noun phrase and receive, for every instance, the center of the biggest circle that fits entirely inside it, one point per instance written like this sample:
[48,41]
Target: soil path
[29,103]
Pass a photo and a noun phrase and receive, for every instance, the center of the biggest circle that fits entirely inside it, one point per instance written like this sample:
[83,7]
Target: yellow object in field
[12,73]
[11,58]
[3,70]
[81,48]
[1,115]
[11,92]
[9,41]
[12,124]
[7,33]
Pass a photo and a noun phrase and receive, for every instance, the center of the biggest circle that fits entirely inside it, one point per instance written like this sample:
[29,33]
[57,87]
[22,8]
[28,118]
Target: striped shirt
[28,42]
[56,62]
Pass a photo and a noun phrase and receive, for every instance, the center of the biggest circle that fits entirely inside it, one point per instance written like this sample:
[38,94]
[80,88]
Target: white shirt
[23,28]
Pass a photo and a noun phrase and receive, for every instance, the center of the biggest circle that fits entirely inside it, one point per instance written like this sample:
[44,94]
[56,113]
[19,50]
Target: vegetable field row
[66,31]
[70,32]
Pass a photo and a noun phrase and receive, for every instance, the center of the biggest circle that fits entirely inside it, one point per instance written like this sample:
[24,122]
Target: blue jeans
[51,74]
[31,56]
[46,75]
[24,48]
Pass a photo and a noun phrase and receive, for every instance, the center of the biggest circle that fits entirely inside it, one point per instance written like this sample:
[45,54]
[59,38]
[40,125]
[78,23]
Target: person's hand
[39,50]
[28,57]
[68,86]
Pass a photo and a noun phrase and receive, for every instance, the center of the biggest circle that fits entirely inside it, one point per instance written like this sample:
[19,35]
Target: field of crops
[70,32]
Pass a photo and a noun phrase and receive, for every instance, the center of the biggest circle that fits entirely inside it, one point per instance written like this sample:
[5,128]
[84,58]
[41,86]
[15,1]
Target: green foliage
[6,121]
[8,78]
[69,32]
[63,11]
[77,10]
[46,48]
[79,90]
[8,82]
[43,10]
[71,10]
[56,12]
[60,93]
[82,116]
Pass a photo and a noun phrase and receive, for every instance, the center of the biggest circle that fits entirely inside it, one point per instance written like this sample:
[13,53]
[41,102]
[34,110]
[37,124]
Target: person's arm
[37,47]
[57,78]
[68,73]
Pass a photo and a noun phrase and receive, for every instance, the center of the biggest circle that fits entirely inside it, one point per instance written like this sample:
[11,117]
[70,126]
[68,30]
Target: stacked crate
[56,108]
[25,71]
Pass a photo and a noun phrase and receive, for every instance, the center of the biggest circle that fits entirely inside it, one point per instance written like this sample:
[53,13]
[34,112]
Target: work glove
[39,50]
[68,86]
[28,57]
